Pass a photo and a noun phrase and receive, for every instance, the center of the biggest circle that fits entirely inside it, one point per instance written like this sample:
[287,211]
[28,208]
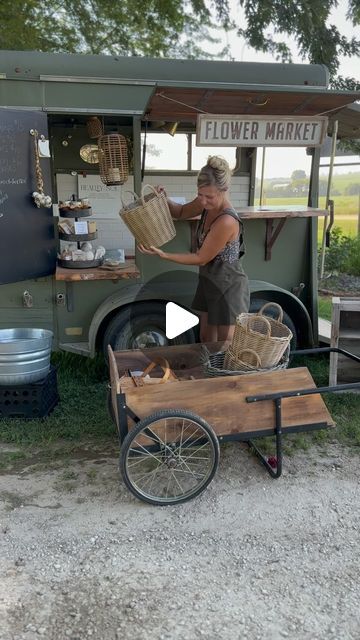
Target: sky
[280,162]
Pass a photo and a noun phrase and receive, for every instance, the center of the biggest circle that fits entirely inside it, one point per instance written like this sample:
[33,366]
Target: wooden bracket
[272,234]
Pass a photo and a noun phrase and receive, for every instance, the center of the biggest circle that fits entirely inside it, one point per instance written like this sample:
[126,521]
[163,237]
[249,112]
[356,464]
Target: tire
[255,306]
[140,326]
[175,472]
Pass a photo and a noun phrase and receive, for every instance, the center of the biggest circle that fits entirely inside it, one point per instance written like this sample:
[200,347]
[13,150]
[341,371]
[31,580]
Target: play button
[178,320]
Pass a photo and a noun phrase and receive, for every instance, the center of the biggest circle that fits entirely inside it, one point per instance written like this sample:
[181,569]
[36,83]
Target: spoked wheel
[169,457]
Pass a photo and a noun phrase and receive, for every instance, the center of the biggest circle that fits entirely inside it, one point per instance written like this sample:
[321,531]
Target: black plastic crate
[30,401]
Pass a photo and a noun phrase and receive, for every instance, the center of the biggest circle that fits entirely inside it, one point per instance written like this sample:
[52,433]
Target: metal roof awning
[184,104]
[348,122]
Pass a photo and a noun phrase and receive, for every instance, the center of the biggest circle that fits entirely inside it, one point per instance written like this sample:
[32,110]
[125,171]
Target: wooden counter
[283,211]
[126,271]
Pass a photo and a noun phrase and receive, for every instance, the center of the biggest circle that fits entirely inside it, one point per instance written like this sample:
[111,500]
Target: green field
[346,211]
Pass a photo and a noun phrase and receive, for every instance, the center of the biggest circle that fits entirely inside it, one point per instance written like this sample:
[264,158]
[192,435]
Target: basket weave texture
[113,159]
[94,127]
[149,218]
[268,337]
[215,366]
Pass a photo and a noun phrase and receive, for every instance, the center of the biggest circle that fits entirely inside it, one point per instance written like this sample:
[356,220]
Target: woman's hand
[152,251]
[160,189]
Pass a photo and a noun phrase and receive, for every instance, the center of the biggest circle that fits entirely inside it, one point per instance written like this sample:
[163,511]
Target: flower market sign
[260,131]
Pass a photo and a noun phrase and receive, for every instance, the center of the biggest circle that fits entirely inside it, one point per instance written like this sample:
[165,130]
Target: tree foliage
[173,28]
[179,28]
[306,22]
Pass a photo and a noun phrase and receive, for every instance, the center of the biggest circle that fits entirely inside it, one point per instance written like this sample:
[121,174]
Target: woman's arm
[219,235]
[182,211]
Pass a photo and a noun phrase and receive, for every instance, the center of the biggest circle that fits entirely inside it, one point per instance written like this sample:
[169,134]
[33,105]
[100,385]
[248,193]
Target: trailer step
[82,348]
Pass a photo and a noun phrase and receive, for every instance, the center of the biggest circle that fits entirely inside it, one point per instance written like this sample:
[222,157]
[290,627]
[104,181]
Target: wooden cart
[170,431]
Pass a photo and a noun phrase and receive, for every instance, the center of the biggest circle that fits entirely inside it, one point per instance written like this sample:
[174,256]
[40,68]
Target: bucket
[24,355]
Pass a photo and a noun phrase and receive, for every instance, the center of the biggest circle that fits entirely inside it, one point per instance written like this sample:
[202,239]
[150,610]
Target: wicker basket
[247,360]
[149,218]
[113,159]
[267,336]
[94,127]
[214,365]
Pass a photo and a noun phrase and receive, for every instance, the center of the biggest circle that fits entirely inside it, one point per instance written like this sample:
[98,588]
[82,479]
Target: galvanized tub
[24,355]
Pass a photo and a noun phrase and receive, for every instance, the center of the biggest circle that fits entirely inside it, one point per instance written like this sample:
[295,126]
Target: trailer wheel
[140,326]
[169,457]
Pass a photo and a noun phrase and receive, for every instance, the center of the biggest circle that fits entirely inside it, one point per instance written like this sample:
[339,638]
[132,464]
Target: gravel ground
[250,558]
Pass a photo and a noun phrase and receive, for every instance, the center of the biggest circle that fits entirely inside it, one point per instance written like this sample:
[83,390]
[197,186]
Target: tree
[298,174]
[307,23]
[179,28]
[173,28]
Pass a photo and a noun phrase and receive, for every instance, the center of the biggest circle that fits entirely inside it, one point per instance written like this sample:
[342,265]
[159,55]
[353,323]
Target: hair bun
[218,162]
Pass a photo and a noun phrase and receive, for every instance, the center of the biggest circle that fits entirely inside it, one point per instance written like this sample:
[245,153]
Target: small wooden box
[345,334]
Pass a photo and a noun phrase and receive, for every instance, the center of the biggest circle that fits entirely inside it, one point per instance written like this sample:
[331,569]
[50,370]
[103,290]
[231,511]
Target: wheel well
[105,322]
[296,311]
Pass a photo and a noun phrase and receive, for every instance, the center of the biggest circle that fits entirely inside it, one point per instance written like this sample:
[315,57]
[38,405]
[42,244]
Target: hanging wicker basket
[94,127]
[267,336]
[149,218]
[113,159]
[219,364]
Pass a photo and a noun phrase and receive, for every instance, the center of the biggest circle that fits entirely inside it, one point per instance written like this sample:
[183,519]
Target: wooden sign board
[260,131]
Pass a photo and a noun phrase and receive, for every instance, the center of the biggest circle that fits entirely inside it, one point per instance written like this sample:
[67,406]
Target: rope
[39,176]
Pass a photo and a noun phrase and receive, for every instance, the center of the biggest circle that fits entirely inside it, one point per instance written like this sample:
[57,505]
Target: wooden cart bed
[221,401]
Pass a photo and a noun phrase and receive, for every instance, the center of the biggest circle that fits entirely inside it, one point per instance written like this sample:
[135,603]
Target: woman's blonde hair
[215,173]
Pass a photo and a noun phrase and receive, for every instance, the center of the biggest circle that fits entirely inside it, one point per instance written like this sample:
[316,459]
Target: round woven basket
[113,159]
[267,336]
[149,218]
[214,365]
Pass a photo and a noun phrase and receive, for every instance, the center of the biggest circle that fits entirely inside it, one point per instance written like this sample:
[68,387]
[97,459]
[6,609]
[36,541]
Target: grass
[81,414]
[324,306]
[81,418]
[346,212]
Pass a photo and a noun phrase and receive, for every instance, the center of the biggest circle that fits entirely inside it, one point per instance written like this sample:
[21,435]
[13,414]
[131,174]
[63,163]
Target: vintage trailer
[56,95]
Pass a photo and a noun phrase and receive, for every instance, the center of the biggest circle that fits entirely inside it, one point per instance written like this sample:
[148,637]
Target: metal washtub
[24,355]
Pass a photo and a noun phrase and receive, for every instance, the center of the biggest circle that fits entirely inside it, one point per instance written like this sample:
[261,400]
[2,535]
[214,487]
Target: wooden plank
[115,384]
[345,334]
[127,271]
[222,401]
[184,360]
[334,340]
[287,211]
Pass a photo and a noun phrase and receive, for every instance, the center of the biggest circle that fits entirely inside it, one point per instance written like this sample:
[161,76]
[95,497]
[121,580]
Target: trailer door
[27,238]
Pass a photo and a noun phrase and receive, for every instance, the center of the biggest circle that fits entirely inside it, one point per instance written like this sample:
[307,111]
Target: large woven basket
[267,336]
[214,365]
[149,218]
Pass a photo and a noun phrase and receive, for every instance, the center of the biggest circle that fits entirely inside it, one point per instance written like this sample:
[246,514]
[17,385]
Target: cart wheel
[169,457]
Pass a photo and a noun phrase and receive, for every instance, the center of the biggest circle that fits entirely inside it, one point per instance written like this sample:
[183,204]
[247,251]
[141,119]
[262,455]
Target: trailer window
[165,153]
[199,155]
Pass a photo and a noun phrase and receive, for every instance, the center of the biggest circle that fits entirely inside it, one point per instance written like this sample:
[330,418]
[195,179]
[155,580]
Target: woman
[223,290]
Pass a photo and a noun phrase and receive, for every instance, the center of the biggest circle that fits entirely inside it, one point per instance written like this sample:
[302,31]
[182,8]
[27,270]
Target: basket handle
[149,186]
[276,306]
[255,318]
[253,353]
[136,197]
[163,363]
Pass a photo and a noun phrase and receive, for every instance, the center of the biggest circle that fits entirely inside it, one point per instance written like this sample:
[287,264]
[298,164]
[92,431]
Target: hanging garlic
[41,200]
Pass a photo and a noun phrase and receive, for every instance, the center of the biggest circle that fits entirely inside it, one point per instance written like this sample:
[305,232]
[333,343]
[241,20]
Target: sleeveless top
[234,249]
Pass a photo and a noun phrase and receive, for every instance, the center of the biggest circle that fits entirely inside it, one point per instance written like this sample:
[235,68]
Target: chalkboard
[27,239]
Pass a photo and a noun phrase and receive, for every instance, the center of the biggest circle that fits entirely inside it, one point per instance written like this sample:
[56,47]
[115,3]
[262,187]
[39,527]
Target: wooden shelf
[286,211]
[126,271]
